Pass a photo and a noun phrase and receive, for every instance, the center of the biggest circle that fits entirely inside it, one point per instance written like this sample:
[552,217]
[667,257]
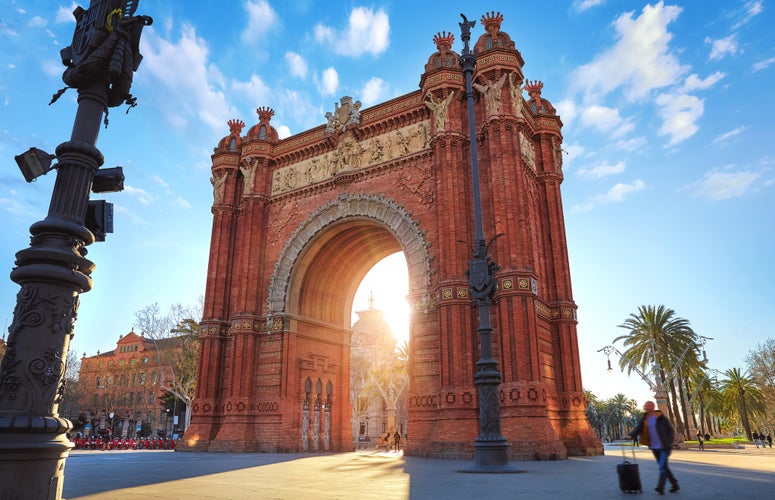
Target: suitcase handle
[624,457]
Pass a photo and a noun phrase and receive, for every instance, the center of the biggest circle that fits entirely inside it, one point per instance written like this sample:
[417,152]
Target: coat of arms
[346,114]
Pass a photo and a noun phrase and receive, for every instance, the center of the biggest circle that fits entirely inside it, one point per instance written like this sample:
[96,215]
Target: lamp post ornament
[490,446]
[53,271]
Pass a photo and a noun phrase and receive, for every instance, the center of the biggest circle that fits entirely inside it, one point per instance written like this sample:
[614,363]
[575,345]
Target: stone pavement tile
[712,474]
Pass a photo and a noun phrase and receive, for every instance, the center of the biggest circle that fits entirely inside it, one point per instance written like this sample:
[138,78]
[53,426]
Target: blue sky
[668,126]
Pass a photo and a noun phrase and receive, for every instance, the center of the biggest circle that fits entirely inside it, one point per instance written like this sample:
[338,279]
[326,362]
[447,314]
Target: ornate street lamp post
[490,446]
[54,270]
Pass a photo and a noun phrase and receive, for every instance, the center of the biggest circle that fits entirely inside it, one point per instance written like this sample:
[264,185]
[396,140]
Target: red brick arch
[298,222]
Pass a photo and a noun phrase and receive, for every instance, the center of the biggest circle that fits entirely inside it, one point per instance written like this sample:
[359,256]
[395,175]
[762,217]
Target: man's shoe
[674,488]
[659,490]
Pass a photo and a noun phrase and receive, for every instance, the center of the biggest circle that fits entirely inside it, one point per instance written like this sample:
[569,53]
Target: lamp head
[33,163]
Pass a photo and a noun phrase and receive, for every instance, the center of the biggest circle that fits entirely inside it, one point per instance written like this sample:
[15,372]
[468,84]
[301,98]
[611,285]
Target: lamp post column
[490,446]
[54,270]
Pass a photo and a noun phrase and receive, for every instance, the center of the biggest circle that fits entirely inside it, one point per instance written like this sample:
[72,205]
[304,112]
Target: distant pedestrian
[769,440]
[396,441]
[756,438]
[700,440]
[657,433]
[707,436]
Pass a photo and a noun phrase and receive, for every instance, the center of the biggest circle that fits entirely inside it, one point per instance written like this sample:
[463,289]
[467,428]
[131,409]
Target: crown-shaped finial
[492,22]
[533,87]
[443,40]
[236,126]
[264,114]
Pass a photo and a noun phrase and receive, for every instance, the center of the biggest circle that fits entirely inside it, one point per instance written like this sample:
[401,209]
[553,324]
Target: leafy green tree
[662,343]
[742,392]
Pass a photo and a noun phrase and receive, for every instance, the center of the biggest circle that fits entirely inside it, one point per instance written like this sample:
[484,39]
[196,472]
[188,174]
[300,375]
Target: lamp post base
[491,458]
[32,465]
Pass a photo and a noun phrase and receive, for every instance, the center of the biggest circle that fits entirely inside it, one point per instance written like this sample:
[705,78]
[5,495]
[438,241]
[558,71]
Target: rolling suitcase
[629,475]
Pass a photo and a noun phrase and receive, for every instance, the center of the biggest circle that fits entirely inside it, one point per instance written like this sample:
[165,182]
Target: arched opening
[379,356]
[330,269]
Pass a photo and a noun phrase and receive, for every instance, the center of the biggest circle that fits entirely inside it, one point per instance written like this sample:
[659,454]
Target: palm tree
[739,389]
[661,341]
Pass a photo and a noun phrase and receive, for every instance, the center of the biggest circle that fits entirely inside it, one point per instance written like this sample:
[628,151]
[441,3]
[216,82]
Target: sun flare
[388,283]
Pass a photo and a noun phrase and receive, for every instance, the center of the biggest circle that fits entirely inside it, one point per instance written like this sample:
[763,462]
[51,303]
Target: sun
[388,283]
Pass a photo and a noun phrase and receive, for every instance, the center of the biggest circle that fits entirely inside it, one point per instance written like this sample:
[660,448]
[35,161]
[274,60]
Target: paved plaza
[712,474]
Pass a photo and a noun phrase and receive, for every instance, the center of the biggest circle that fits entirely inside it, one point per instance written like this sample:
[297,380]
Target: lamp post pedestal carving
[54,270]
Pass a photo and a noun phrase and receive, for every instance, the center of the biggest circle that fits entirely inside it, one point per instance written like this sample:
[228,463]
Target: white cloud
[188,88]
[298,106]
[606,120]
[158,180]
[693,82]
[582,5]
[181,202]
[567,110]
[141,195]
[603,170]
[722,47]
[630,145]
[261,18]
[617,194]
[729,135]
[751,9]
[297,64]
[763,64]
[639,61]
[255,90]
[572,151]
[52,68]
[620,191]
[283,131]
[329,82]
[718,185]
[373,91]
[38,21]
[65,14]
[679,113]
[367,31]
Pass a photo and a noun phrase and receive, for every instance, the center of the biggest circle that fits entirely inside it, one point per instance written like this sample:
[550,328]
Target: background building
[378,379]
[123,389]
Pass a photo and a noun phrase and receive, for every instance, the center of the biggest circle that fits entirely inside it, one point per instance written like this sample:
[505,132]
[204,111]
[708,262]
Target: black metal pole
[54,271]
[490,446]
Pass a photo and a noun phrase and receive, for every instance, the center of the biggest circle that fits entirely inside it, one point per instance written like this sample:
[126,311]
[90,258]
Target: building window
[150,399]
[145,360]
[142,379]
[98,382]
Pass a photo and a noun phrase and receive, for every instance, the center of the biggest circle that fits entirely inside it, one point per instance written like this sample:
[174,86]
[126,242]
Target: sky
[668,128]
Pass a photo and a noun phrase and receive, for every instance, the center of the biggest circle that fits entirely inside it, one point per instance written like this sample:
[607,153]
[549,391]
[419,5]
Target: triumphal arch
[298,222]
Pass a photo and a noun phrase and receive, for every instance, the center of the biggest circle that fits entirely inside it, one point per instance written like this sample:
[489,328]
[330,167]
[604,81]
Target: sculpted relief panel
[351,155]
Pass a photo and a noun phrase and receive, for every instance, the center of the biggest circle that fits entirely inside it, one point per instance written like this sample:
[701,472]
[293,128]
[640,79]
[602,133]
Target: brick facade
[298,222]
[127,381]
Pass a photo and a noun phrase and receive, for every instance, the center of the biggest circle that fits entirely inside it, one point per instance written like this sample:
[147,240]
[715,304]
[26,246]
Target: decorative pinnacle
[492,22]
[236,126]
[533,87]
[443,40]
[264,114]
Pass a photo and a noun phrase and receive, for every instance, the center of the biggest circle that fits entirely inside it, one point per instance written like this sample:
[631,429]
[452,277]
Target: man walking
[657,433]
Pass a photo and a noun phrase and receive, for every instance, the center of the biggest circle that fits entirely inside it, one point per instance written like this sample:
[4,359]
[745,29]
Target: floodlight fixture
[108,180]
[34,162]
